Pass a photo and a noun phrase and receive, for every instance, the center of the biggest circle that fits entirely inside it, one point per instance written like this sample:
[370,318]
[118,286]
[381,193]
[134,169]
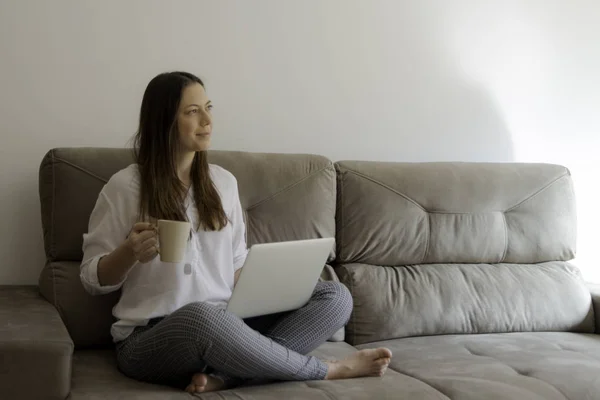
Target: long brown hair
[156,144]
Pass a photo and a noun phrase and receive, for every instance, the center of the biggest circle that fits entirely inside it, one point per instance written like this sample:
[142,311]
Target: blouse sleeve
[109,225]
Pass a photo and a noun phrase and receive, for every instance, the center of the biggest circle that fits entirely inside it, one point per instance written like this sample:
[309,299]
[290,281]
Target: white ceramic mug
[172,240]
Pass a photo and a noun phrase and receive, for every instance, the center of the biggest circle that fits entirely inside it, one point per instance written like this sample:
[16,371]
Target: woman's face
[194,120]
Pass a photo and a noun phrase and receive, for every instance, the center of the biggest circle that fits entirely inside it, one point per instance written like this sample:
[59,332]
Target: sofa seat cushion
[95,376]
[541,365]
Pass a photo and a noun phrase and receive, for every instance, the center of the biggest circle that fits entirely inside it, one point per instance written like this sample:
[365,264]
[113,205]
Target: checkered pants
[200,336]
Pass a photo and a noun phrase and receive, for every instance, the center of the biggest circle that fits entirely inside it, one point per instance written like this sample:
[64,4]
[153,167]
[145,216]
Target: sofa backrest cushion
[419,213]
[284,196]
[437,299]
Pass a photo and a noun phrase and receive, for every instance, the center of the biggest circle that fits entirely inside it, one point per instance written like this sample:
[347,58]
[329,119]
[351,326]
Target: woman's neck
[184,167]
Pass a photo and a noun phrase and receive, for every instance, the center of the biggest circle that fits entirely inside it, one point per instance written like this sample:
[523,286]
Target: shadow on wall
[462,122]
[422,104]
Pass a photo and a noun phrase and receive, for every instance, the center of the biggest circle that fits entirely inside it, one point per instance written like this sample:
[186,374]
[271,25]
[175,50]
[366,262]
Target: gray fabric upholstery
[420,213]
[542,366]
[595,291]
[60,283]
[35,348]
[69,183]
[427,249]
[435,299]
[88,318]
[285,197]
[329,274]
[95,377]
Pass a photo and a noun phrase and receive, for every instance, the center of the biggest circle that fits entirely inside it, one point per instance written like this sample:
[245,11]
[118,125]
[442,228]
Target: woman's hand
[143,241]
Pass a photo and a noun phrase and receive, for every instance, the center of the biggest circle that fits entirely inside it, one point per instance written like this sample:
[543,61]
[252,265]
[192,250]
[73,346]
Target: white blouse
[155,289]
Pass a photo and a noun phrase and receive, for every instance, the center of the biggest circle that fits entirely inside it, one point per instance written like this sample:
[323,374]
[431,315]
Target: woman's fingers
[140,238]
[148,249]
[148,244]
[145,235]
[143,241]
[142,226]
[148,254]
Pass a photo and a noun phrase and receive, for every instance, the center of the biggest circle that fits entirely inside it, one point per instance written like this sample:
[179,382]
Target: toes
[374,354]
[383,352]
[199,389]
[199,379]
[382,362]
[198,384]
[380,366]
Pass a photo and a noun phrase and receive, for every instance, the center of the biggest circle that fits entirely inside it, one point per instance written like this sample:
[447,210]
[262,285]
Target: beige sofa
[461,269]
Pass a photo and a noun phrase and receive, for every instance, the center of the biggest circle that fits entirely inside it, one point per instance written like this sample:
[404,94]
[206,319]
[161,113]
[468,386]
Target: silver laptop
[279,277]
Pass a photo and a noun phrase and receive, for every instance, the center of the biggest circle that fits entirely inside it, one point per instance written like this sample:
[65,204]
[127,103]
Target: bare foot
[371,362]
[202,383]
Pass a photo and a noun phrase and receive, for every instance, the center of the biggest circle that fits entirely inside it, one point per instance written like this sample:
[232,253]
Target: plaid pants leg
[199,335]
[305,329]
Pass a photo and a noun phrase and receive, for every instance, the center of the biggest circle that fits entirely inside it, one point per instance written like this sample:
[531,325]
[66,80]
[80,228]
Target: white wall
[505,80]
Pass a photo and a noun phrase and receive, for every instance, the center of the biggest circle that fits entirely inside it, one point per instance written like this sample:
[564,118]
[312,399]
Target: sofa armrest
[595,291]
[35,347]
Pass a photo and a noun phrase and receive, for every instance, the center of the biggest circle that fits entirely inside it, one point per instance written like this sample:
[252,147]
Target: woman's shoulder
[220,174]
[223,179]
[123,182]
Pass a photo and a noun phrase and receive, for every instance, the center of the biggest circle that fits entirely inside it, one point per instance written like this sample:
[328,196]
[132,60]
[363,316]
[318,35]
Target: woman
[172,327]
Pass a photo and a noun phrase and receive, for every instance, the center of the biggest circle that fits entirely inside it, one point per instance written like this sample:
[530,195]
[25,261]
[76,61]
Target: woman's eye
[210,107]
[194,111]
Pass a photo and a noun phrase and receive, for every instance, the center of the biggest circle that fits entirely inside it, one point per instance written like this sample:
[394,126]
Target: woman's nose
[205,119]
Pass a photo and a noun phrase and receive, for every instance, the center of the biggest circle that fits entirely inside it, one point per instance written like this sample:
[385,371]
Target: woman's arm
[141,245]
[113,268]
[111,247]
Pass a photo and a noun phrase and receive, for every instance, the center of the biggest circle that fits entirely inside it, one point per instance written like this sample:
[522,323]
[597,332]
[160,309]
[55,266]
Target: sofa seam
[326,392]
[342,228]
[86,171]
[505,238]
[289,187]
[428,238]
[517,372]
[404,196]
[562,348]
[353,315]
[485,212]
[66,342]
[531,196]
[422,381]
[233,392]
